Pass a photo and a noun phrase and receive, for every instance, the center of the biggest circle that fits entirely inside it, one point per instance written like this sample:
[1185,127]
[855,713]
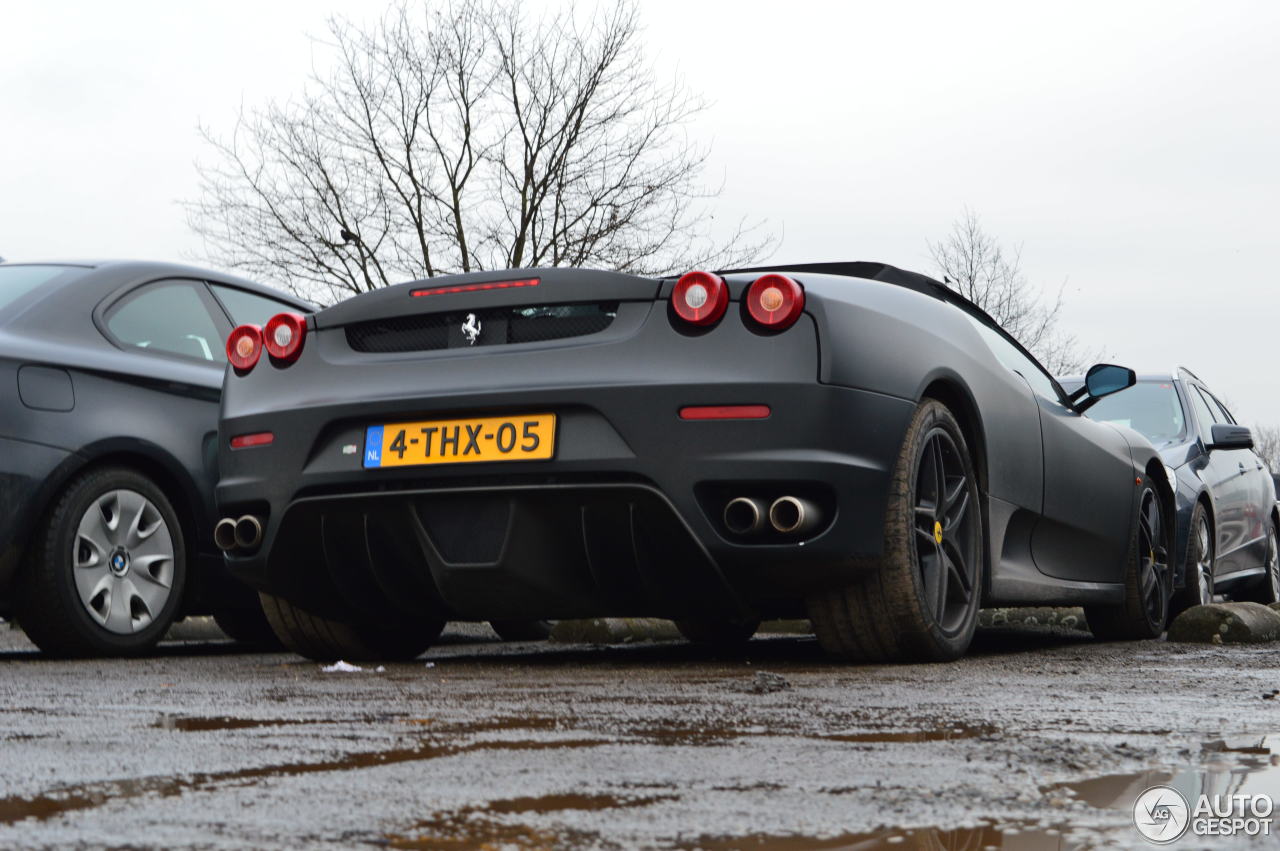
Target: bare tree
[1266,442]
[973,263]
[466,136]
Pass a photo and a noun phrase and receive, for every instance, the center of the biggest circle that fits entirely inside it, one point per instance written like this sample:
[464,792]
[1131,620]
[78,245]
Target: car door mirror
[1103,379]
[1231,437]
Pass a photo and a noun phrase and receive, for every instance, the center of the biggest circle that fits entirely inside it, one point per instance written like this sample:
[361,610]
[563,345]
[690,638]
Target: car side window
[1205,417]
[247,308]
[1015,359]
[1218,408]
[170,317]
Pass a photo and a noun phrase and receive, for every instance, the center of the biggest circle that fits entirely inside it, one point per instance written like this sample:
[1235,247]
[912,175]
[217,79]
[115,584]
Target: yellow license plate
[527,437]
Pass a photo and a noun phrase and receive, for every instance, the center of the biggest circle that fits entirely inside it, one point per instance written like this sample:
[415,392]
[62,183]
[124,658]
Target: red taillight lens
[244,347]
[775,301]
[244,441]
[700,298]
[283,336]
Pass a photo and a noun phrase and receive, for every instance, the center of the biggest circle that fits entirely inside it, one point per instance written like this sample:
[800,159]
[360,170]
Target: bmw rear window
[17,281]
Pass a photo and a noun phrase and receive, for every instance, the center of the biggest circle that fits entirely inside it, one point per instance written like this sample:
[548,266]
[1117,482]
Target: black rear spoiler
[860,269]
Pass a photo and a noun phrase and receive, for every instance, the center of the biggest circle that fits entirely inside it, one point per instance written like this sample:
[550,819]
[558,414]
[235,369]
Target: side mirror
[1231,437]
[1103,379]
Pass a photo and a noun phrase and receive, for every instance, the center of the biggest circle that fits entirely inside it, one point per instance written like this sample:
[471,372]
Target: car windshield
[1150,408]
[17,281]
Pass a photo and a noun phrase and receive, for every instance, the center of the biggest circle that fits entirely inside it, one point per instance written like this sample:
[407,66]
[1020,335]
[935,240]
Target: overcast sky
[1131,149]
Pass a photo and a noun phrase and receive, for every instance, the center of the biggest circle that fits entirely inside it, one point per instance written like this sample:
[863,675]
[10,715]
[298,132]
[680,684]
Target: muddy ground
[645,744]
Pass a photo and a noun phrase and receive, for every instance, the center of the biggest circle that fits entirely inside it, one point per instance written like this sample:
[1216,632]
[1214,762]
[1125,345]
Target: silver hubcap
[1205,565]
[123,561]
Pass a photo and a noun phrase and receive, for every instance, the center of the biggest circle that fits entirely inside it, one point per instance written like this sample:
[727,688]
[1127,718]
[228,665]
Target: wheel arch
[147,459]
[1155,473]
[951,391]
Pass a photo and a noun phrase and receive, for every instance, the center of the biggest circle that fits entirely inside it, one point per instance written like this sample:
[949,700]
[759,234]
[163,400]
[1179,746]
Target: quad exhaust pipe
[786,515]
[791,515]
[244,533]
[745,516]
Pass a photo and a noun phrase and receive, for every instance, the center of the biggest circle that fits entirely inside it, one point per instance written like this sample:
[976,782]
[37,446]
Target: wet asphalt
[1040,738]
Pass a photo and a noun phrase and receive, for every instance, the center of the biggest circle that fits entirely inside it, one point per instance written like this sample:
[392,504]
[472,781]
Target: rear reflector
[724,412]
[244,347]
[475,288]
[244,441]
[775,301]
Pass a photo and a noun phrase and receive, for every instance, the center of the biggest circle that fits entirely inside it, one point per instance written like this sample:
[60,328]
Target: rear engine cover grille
[494,327]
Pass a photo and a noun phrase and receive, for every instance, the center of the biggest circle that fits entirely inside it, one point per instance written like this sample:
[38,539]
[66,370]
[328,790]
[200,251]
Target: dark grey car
[110,376]
[1227,517]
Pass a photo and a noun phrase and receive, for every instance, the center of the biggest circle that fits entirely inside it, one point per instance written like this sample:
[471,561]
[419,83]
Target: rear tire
[522,630]
[919,602]
[1197,590]
[327,640]
[106,570]
[1267,589]
[719,633]
[1147,581]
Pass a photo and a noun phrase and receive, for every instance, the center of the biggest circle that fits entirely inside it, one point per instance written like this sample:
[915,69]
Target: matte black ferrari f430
[848,442]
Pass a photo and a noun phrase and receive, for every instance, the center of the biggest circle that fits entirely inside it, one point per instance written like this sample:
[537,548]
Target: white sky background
[1132,149]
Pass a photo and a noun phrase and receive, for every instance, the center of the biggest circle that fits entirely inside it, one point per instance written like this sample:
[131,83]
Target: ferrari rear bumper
[627,517]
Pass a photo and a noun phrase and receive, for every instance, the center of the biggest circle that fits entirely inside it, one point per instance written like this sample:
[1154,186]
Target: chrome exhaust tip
[744,516]
[248,532]
[791,515]
[224,534]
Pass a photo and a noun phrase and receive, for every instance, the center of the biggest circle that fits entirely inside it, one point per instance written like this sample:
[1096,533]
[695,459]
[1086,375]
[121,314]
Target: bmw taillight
[244,347]
[700,298]
[283,336]
[775,301]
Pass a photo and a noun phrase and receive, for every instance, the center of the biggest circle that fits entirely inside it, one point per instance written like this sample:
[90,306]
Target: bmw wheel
[1147,580]
[920,602]
[1198,588]
[107,569]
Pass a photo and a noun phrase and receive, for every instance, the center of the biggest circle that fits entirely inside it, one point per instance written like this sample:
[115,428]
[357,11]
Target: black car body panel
[627,517]
[71,397]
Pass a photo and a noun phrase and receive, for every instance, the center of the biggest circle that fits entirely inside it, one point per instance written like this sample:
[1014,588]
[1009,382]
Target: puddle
[940,734]
[487,826]
[1234,766]
[197,724]
[560,803]
[188,724]
[1008,836]
[71,798]
[675,734]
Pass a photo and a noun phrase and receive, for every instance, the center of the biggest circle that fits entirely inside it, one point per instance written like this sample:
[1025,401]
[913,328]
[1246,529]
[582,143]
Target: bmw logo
[119,562]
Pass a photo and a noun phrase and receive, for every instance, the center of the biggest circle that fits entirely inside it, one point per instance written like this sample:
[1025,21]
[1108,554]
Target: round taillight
[283,336]
[700,298]
[775,301]
[244,347]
